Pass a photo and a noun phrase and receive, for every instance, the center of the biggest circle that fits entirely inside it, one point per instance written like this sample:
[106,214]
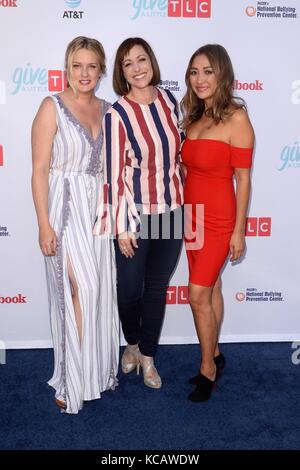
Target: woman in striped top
[143,188]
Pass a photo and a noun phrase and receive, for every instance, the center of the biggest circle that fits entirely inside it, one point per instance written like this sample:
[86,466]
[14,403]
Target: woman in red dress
[219,143]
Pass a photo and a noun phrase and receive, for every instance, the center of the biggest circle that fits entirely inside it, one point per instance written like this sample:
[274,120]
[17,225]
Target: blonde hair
[82,42]
[224,103]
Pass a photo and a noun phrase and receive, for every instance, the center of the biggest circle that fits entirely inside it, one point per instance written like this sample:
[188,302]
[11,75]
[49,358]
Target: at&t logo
[172,8]
[73,14]
[258,227]
[177,295]
[30,79]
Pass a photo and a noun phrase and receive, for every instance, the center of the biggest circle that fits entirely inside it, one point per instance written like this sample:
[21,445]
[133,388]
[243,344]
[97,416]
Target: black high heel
[220,362]
[203,390]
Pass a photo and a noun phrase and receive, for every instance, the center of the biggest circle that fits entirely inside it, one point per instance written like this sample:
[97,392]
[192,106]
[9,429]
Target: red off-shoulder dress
[210,167]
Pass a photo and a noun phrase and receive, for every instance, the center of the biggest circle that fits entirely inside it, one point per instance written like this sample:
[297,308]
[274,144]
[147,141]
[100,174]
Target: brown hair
[120,84]
[82,42]
[224,103]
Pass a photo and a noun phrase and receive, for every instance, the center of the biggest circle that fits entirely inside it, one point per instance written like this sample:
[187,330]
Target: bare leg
[218,307]
[200,299]
[75,299]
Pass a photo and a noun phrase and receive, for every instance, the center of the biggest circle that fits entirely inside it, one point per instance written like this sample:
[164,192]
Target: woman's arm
[121,203]
[242,141]
[237,242]
[43,131]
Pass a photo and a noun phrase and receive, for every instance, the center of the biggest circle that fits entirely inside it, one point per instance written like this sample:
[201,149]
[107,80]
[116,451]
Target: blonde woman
[66,145]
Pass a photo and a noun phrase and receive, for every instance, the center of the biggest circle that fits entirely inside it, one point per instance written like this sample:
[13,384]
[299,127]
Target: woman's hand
[48,241]
[237,246]
[127,242]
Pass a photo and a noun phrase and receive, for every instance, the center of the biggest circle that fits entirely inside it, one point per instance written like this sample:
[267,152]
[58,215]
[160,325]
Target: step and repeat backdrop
[262,37]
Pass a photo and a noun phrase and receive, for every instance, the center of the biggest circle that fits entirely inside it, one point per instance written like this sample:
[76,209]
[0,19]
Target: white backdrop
[262,38]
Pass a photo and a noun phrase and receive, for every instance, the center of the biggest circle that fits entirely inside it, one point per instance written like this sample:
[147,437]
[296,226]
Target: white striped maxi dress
[82,370]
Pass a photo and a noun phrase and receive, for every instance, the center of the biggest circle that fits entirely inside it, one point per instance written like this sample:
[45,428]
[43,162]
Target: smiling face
[85,70]
[203,79]
[137,68]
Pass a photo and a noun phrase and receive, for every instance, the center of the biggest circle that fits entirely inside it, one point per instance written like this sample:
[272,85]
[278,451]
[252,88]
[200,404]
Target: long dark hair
[224,103]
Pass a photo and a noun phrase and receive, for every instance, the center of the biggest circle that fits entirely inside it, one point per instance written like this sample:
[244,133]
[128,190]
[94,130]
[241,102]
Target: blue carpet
[257,405]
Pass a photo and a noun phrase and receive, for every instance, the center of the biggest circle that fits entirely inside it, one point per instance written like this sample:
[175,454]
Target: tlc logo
[1,155]
[258,227]
[177,295]
[8,3]
[189,8]
[57,80]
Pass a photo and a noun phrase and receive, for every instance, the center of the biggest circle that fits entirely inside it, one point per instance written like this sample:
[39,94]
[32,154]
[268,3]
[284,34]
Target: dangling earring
[127,85]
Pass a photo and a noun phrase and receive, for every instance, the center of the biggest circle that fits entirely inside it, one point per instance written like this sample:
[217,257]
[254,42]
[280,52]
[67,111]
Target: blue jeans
[142,281]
